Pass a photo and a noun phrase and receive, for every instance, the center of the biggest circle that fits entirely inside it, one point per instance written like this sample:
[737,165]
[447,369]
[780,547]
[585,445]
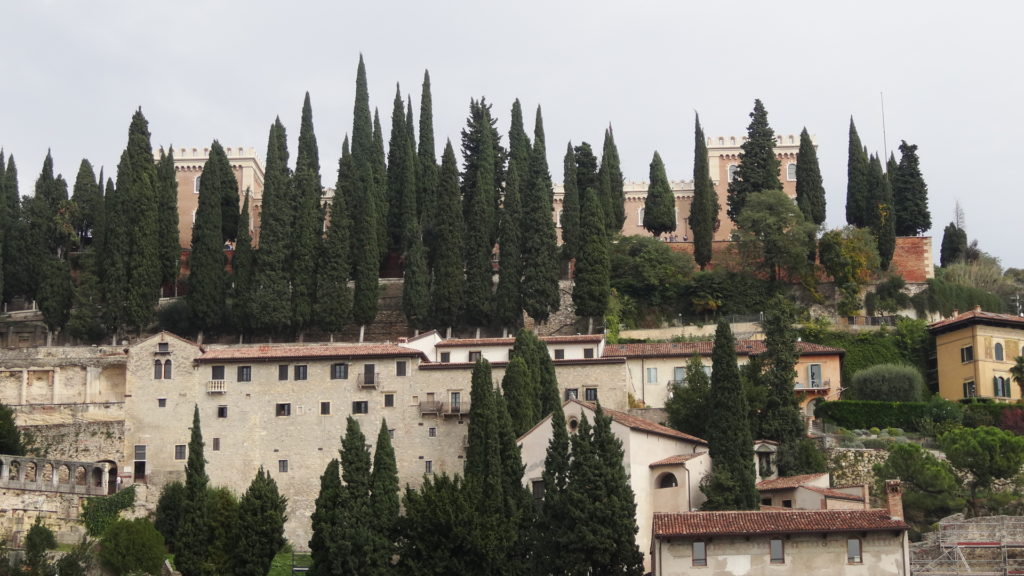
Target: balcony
[430,407]
[371,380]
[813,386]
[216,387]
[458,409]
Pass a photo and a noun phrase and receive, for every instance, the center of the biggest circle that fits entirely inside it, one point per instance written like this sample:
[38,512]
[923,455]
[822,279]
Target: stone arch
[809,409]
[14,470]
[31,471]
[47,472]
[80,475]
[667,480]
[97,476]
[64,474]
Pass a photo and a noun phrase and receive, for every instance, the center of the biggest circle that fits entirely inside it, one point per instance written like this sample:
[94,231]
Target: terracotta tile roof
[674,460]
[772,522]
[635,423]
[787,482]
[704,348]
[977,316]
[830,493]
[504,363]
[309,351]
[574,339]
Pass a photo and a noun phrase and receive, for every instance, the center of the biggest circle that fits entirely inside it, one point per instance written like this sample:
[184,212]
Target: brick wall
[913,258]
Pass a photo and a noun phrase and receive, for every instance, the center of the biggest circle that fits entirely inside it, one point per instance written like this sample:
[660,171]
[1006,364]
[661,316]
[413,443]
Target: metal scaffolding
[986,547]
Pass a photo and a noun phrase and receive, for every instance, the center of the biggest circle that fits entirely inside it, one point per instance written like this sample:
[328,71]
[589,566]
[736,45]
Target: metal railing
[430,407]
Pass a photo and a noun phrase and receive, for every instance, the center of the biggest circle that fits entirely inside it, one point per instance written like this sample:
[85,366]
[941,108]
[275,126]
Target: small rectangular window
[140,451]
[853,551]
[300,372]
[446,356]
[283,409]
[475,356]
[652,375]
[559,354]
[282,372]
[588,353]
[163,347]
[216,444]
[161,402]
[391,433]
[700,554]
[179,452]
[244,374]
[537,487]
[787,503]
[339,371]
[572,393]
[590,394]
[325,408]
[432,432]
[428,467]
[967,354]
[217,373]
[778,554]
[282,466]
[361,407]
[400,367]
[222,411]
[970,389]
[389,400]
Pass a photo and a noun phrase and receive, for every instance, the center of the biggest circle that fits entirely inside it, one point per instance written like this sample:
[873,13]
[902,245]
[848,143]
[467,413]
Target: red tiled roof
[704,348]
[788,481]
[504,363]
[674,460]
[830,493]
[977,316]
[311,351]
[749,523]
[574,339]
[635,423]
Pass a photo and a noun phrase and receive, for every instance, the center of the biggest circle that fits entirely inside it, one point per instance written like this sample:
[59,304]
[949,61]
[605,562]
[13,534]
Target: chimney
[955,313]
[977,308]
[866,494]
[894,494]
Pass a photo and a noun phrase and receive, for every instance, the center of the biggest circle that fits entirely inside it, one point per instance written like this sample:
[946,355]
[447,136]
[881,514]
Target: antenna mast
[885,145]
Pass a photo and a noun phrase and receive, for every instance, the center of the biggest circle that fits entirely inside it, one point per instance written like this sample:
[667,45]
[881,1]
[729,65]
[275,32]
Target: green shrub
[894,431]
[860,414]
[100,512]
[168,512]
[907,343]
[132,545]
[877,443]
[887,382]
[874,430]
[978,414]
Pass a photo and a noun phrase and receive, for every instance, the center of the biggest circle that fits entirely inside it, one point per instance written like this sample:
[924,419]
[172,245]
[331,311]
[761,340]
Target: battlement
[727,142]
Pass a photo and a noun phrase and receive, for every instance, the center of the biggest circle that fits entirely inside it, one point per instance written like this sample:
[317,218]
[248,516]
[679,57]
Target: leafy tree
[243,273]
[810,194]
[224,529]
[307,226]
[888,296]
[55,293]
[931,490]
[447,279]
[649,272]
[910,194]
[730,486]
[272,300]
[132,546]
[261,518]
[195,531]
[325,518]
[207,280]
[687,407]
[758,169]
[954,245]
[774,235]
[889,383]
[167,215]
[570,219]
[850,257]
[610,177]
[592,287]
[333,298]
[857,193]
[5,225]
[78,561]
[704,206]
[12,440]
[169,510]
[541,295]
[659,205]
[986,453]
[38,540]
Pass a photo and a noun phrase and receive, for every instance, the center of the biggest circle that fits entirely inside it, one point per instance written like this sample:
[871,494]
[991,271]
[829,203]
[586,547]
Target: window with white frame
[791,171]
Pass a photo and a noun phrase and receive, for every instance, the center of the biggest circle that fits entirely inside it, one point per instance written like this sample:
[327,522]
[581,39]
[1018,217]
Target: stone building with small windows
[974,352]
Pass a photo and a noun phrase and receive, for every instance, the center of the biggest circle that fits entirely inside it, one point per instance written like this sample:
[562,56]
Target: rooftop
[976,316]
[704,348]
[772,522]
[636,423]
[309,351]
[675,460]
[550,340]
[787,482]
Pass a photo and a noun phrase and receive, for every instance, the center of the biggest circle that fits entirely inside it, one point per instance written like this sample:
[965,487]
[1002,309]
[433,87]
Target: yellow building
[975,351]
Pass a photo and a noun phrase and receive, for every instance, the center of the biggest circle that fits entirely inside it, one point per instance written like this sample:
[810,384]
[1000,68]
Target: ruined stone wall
[80,439]
[852,467]
[60,512]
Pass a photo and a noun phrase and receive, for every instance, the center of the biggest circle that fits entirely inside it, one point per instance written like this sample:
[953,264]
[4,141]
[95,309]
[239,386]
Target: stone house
[974,353]
[811,492]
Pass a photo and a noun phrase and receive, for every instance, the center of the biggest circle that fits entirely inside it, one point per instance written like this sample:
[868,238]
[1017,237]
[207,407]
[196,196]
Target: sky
[74,72]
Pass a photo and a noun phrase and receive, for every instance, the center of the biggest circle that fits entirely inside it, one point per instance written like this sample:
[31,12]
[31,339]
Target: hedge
[863,414]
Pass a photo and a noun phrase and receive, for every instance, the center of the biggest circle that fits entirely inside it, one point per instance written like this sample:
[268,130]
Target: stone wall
[852,467]
[59,512]
[85,440]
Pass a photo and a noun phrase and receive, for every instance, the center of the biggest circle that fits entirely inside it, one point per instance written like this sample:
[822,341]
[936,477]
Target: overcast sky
[73,72]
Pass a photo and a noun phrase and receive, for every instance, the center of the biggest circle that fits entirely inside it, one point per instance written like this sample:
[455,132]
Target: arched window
[732,172]
[999,352]
[158,370]
[640,217]
[559,221]
[167,369]
[791,171]
[196,191]
[667,480]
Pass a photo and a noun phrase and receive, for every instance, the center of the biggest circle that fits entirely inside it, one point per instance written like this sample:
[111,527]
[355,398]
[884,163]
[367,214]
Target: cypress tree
[207,280]
[780,418]
[541,295]
[307,228]
[619,553]
[384,497]
[416,285]
[437,528]
[399,163]
[427,197]
[361,547]
[5,222]
[731,483]
[704,206]
[553,530]
[136,181]
[87,197]
[243,273]
[478,211]
[55,293]
[881,222]
[954,245]
[856,181]
[195,531]
[167,216]
[508,297]
[688,405]
[810,194]
[261,518]
[14,233]
[570,220]
[659,206]
[324,520]
[380,184]
[86,321]
[592,285]
[113,267]
[758,169]
[518,513]
[333,299]
[519,390]
[612,191]
[586,171]
[447,278]
[910,194]
[545,394]
[272,301]
[51,195]
[367,208]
